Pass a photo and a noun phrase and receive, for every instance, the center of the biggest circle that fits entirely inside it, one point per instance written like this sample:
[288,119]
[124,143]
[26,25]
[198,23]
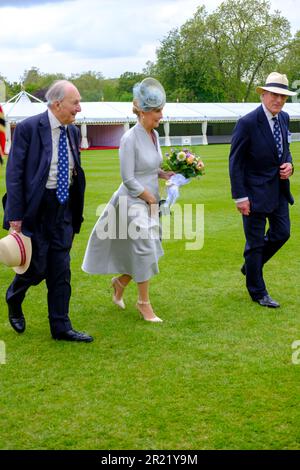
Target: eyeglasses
[278,95]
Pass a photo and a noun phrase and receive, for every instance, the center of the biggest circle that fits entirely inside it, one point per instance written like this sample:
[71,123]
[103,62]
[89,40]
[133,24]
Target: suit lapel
[264,127]
[284,131]
[73,146]
[46,138]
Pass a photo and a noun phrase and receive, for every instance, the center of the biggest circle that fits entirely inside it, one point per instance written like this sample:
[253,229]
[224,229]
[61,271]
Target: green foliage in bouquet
[184,162]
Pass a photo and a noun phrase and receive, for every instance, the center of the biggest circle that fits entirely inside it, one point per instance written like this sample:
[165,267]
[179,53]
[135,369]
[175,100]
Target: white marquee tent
[103,123]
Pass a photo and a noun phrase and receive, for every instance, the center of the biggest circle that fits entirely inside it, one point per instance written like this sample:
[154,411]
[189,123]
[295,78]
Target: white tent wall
[102,124]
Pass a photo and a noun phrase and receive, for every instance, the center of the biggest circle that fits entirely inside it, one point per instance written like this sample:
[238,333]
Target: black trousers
[261,246]
[51,245]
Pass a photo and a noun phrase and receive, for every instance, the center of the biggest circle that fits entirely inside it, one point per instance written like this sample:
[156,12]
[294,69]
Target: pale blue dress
[126,239]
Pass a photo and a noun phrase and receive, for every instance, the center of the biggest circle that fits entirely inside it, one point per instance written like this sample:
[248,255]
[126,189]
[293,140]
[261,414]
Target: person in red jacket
[2,134]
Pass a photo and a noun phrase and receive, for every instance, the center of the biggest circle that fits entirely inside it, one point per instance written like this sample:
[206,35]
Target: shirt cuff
[241,199]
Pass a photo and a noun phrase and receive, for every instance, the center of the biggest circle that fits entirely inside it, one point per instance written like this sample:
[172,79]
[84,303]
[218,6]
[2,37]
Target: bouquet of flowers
[184,162]
[186,165]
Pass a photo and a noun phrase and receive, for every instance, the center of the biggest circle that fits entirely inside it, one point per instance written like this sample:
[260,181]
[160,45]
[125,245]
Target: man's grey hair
[56,91]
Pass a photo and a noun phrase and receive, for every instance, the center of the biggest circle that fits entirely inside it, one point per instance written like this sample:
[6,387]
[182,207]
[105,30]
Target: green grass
[217,374]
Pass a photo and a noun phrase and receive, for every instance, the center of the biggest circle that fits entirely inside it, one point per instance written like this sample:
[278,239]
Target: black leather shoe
[243,270]
[267,301]
[72,335]
[16,318]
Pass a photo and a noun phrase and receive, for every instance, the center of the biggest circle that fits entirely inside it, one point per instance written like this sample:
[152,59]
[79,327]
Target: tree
[126,83]
[149,70]
[109,89]
[290,64]
[37,83]
[9,89]
[90,85]
[219,57]
[249,41]
[200,68]
[169,68]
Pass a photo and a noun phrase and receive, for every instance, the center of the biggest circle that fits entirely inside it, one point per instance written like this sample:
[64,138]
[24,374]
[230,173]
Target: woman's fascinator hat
[149,94]
[276,83]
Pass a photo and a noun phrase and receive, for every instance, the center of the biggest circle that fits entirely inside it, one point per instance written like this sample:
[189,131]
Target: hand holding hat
[16,251]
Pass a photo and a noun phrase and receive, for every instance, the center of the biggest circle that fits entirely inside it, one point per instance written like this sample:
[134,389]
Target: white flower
[181,156]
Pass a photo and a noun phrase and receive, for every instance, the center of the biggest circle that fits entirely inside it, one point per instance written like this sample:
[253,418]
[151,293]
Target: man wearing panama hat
[260,164]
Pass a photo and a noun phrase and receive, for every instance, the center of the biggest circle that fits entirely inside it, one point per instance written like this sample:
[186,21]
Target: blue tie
[277,136]
[62,191]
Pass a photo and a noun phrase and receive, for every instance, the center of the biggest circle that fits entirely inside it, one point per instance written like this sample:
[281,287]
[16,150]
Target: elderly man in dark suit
[45,194]
[260,164]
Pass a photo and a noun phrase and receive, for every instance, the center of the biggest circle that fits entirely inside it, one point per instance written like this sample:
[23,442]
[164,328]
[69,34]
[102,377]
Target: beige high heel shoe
[154,319]
[120,302]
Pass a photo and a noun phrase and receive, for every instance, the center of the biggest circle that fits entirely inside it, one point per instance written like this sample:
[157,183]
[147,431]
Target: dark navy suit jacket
[27,173]
[254,162]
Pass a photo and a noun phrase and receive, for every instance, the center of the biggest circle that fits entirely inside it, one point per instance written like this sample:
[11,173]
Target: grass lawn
[217,374]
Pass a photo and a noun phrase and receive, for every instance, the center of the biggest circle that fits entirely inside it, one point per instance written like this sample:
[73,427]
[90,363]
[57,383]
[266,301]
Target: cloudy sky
[108,36]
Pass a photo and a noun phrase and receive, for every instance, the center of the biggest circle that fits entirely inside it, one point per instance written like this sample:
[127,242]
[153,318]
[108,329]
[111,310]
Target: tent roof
[121,112]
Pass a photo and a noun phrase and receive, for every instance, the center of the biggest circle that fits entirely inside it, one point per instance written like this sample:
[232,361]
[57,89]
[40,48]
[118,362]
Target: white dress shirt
[270,119]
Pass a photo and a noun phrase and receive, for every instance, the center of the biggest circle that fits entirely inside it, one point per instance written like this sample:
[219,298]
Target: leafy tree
[219,57]
[37,83]
[109,89]
[290,64]
[90,85]
[200,69]
[125,85]
[249,41]
[168,66]
[10,89]
[149,70]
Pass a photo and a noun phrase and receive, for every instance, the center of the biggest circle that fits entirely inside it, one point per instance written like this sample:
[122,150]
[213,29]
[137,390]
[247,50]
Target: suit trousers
[261,246]
[51,245]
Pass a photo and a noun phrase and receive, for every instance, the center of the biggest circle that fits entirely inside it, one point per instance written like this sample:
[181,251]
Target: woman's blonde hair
[135,108]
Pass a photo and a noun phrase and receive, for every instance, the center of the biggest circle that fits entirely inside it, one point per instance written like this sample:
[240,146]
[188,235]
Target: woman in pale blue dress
[126,239]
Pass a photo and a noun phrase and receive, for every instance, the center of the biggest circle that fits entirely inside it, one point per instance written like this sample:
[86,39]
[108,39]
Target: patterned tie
[277,136]
[62,191]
